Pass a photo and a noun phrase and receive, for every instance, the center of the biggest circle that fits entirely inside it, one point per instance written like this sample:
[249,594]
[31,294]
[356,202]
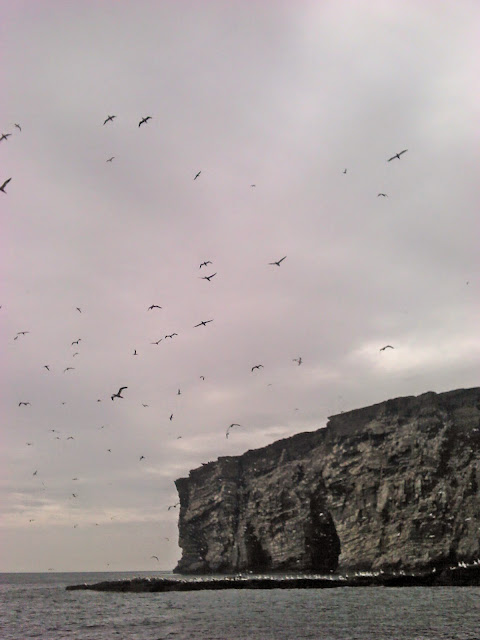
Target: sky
[290,111]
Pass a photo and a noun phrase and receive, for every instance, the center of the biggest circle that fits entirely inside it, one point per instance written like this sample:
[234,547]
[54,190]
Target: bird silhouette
[110,159]
[173,506]
[75,342]
[157,342]
[384,195]
[109,119]
[299,360]
[397,155]
[153,306]
[144,120]
[171,417]
[34,473]
[171,335]
[156,558]
[344,171]
[68,369]
[2,188]
[119,393]
[257,366]
[202,377]
[135,352]
[144,405]
[204,264]
[202,323]
[388,346]
[197,175]
[25,404]
[5,136]
[18,126]
[78,309]
[208,277]
[75,354]
[234,424]
[278,262]
[142,458]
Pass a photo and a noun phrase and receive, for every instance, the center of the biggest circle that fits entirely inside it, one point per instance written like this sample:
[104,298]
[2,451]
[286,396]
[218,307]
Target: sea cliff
[393,486]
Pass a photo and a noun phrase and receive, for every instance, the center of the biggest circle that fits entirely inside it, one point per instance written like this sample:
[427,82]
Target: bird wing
[282,259]
[404,151]
[121,389]
[5,184]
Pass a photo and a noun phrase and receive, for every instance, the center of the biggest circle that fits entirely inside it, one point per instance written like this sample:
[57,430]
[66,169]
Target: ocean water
[37,606]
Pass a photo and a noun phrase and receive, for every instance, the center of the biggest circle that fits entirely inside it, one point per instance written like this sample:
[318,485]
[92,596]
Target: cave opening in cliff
[257,558]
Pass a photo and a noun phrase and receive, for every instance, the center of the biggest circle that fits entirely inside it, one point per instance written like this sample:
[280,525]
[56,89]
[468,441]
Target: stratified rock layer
[391,486]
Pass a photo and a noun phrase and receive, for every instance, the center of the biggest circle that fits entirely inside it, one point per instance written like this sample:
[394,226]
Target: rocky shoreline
[450,576]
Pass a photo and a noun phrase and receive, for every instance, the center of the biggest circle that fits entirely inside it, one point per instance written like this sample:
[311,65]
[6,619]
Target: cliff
[389,487]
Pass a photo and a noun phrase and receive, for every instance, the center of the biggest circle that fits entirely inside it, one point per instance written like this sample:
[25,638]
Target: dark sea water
[36,605]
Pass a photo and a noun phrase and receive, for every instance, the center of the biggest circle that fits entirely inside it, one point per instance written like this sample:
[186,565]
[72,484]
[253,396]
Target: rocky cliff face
[391,486]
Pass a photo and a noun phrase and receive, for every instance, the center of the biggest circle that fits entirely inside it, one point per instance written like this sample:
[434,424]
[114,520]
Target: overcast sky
[281,95]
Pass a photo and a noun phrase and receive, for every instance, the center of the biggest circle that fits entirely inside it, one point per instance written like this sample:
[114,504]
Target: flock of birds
[118,395]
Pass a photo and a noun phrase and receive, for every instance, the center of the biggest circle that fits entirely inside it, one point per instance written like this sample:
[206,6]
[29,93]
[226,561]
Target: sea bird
[18,126]
[202,323]
[78,309]
[25,404]
[173,506]
[109,119]
[234,424]
[153,306]
[278,261]
[142,458]
[384,195]
[157,342]
[257,366]
[5,136]
[119,393]
[171,335]
[388,346]
[75,342]
[299,360]
[2,188]
[144,120]
[197,175]
[156,558]
[208,277]
[397,155]
[68,369]
[110,159]
[204,264]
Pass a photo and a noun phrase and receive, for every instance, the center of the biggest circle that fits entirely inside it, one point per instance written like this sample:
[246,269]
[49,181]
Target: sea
[36,605]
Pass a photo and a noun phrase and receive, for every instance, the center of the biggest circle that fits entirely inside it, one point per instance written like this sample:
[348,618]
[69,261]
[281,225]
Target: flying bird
[109,119]
[34,473]
[278,261]
[397,155]
[78,309]
[24,404]
[2,188]
[202,377]
[204,264]
[75,342]
[156,558]
[142,458]
[75,354]
[171,335]
[153,306]
[171,417]
[74,495]
[110,159]
[253,185]
[5,136]
[119,393]
[173,506]
[203,323]
[257,366]
[144,405]
[18,126]
[384,195]
[68,369]
[179,393]
[299,360]
[197,175]
[208,277]
[388,346]
[144,120]
[344,171]
[157,342]
[234,424]
[135,352]
[70,438]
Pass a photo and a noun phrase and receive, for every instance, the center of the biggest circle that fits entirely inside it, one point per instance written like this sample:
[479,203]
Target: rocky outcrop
[394,486]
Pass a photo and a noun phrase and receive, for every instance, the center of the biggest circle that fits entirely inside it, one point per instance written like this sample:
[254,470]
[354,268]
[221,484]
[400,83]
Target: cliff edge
[389,487]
